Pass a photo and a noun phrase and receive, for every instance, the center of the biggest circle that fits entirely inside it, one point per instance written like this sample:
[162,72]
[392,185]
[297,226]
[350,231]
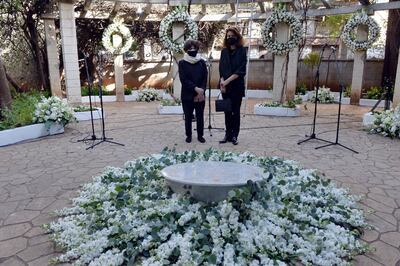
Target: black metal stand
[339,111]
[387,96]
[313,135]
[103,136]
[210,127]
[90,82]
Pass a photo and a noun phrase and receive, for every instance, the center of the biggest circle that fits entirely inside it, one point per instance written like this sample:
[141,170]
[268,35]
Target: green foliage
[335,23]
[95,91]
[301,89]
[21,114]
[128,91]
[83,108]
[375,92]
[347,92]
[311,59]
[173,102]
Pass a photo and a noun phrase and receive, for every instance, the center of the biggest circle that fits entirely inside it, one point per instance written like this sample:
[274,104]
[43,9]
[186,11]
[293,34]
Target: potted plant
[324,95]
[82,112]
[170,106]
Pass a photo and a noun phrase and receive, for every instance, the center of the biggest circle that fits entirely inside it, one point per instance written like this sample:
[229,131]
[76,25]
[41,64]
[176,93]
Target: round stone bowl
[210,181]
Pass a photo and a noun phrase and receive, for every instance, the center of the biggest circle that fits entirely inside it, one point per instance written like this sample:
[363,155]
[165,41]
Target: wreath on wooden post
[296,32]
[349,37]
[179,14]
[120,29]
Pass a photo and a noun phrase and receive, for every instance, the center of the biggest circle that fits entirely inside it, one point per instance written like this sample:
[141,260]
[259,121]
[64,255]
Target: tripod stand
[340,108]
[387,96]
[103,136]
[90,82]
[210,127]
[313,135]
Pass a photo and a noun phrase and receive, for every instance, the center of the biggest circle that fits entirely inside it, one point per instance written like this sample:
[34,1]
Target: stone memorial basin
[210,181]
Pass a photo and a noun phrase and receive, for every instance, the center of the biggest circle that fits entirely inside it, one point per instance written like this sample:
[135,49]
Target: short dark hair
[191,43]
[239,37]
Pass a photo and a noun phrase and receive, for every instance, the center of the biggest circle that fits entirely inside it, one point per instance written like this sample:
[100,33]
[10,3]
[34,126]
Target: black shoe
[225,140]
[235,141]
[201,139]
[188,139]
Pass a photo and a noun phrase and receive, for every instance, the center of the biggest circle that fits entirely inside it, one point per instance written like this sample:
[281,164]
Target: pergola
[67,17]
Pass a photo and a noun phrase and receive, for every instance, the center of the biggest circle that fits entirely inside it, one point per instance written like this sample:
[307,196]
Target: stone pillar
[70,51]
[292,74]
[342,50]
[53,60]
[118,70]
[178,31]
[358,68]
[396,95]
[282,35]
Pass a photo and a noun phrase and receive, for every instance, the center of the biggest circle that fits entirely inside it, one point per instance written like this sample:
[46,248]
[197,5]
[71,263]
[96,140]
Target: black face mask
[192,53]
[231,40]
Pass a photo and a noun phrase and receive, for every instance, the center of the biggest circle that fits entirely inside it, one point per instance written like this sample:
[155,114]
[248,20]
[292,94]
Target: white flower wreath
[177,15]
[349,37]
[296,32]
[117,28]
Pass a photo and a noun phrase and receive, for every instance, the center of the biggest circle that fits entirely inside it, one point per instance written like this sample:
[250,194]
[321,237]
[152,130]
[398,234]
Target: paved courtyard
[41,176]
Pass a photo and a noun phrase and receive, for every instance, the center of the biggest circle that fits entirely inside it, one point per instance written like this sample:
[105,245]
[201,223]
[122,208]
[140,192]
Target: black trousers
[232,119]
[188,107]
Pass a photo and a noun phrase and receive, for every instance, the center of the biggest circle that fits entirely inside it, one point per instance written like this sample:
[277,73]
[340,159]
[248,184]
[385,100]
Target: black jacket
[234,62]
[191,76]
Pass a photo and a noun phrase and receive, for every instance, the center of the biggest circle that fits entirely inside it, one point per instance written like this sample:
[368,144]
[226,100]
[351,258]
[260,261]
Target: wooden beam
[115,10]
[203,9]
[86,7]
[146,12]
[233,8]
[262,7]
[184,2]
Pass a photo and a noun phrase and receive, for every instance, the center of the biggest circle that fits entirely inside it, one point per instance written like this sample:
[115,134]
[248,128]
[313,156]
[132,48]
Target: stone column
[358,68]
[118,70]
[178,30]
[282,36]
[396,95]
[292,74]
[53,60]
[342,50]
[70,51]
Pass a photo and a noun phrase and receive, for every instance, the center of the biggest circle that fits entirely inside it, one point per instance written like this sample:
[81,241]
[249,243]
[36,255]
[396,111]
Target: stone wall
[155,74]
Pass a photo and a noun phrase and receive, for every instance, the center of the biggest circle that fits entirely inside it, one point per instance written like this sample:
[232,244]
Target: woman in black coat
[232,70]
[193,75]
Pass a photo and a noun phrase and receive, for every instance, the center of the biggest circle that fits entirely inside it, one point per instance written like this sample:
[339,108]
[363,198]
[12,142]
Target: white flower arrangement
[179,14]
[296,32]
[53,110]
[348,34]
[324,95]
[117,28]
[128,216]
[387,123]
[289,104]
[148,95]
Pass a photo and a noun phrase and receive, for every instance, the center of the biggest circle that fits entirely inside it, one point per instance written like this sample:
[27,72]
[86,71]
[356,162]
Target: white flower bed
[348,34]
[148,95]
[53,110]
[387,123]
[324,96]
[129,216]
[179,14]
[296,32]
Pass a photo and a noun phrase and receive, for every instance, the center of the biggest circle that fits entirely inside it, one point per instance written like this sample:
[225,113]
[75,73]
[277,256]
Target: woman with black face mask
[193,75]
[232,70]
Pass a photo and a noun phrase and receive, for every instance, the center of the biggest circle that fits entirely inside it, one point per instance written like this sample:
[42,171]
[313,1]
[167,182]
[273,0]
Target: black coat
[234,62]
[191,76]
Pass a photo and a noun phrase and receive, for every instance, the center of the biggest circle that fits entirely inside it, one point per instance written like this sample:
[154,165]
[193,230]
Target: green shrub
[347,91]
[375,92]
[301,89]
[95,91]
[21,114]
[128,91]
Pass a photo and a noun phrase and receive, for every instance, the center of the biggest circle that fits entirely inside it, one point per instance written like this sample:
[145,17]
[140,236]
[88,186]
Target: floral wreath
[350,39]
[117,28]
[281,16]
[179,14]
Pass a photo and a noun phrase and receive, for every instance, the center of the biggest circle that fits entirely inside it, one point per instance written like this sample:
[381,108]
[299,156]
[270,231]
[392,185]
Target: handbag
[223,105]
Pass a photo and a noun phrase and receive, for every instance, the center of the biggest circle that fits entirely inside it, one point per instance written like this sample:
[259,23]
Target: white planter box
[84,116]
[304,97]
[11,136]
[106,99]
[276,111]
[132,97]
[364,102]
[168,110]
[257,94]
[368,119]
